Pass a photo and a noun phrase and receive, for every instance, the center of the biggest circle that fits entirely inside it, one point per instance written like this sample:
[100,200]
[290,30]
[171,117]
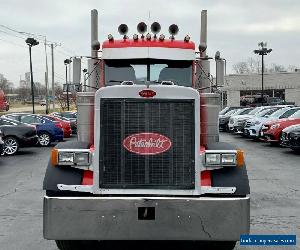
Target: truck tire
[77,244]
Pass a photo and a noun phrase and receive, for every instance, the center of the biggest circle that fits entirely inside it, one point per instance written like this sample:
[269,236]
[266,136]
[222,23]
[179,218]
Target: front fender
[230,177]
[63,174]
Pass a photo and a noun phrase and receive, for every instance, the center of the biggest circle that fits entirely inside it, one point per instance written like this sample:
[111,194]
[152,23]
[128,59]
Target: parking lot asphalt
[274,180]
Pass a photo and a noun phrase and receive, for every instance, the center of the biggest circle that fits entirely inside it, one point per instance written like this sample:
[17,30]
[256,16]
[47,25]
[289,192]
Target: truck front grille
[120,168]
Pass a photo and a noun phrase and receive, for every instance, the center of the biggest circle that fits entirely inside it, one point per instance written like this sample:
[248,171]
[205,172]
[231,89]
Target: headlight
[82,158]
[213,159]
[229,158]
[274,126]
[65,157]
[78,158]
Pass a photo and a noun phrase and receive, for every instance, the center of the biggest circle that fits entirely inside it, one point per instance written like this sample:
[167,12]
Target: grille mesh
[123,117]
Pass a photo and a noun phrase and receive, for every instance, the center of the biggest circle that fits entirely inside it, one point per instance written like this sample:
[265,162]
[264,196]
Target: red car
[66,126]
[271,131]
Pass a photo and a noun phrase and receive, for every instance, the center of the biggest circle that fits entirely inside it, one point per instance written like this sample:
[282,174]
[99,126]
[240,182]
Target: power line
[12,34]
[10,42]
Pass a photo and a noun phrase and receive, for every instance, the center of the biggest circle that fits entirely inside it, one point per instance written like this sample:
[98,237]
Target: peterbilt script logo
[147,143]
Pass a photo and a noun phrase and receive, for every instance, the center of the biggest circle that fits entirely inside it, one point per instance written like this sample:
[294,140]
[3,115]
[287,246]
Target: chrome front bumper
[117,218]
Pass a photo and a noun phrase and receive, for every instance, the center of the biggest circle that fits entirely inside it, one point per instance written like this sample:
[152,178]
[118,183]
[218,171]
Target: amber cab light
[147,93]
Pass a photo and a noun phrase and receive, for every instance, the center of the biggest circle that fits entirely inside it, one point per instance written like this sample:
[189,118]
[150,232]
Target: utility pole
[53,89]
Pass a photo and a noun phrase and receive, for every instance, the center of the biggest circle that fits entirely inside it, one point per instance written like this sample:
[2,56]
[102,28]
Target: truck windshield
[141,71]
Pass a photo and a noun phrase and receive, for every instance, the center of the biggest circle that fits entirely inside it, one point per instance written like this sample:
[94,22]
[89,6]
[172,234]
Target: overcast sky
[234,28]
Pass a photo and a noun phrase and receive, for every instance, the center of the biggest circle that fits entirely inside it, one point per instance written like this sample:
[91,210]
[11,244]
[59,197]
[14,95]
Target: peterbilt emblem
[147,93]
[147,143]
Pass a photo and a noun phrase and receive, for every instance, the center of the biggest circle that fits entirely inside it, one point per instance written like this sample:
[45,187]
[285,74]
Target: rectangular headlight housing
[78,158]
[228,159]
[223,158]
[213,159]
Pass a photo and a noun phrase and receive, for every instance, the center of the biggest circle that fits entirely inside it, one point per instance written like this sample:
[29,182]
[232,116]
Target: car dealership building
[284,85]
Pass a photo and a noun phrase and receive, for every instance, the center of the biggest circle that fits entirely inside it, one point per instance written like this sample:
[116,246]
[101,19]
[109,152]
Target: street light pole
[262,79]
[263,51]
[31,42]
[31,80]
[68,104]
[66,62]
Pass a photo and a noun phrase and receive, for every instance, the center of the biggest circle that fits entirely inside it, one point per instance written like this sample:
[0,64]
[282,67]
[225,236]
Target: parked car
[224,119]
[73,121]
[72,115]
[1,143]
[227,109]
[272,131]
[48,131]
[253,126]
[237,123]
[66,126]
[43,102]
[16,134]
[290,137]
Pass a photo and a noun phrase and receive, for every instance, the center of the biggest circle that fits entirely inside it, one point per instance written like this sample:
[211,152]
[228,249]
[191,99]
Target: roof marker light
[110,37]
[187,38]
[148,36]
[161,37]
[135,37]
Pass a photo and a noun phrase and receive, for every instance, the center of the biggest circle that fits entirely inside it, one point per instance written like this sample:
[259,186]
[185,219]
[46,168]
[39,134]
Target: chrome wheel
[44,140]
[11,146]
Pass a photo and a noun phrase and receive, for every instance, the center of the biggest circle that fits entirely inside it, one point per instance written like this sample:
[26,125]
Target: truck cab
[145,166]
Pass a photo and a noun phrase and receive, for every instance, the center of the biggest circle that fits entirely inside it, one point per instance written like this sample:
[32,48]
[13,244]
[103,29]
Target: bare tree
[276,68]
[292,68]
[241,68]
[5,85]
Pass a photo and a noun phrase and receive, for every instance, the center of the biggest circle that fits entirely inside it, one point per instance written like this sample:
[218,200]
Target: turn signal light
[54,157]
[240,159]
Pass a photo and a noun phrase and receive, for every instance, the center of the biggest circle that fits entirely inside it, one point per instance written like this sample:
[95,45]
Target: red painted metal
[202,149]
[126,43]
[147,143]
[87,178]
[206,178]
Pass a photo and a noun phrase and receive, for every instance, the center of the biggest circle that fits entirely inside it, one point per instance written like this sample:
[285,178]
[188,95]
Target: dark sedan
[290,137]
[47,130]
[16,134]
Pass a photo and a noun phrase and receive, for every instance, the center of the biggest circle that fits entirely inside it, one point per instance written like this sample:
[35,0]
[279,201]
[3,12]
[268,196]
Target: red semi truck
[147,164]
